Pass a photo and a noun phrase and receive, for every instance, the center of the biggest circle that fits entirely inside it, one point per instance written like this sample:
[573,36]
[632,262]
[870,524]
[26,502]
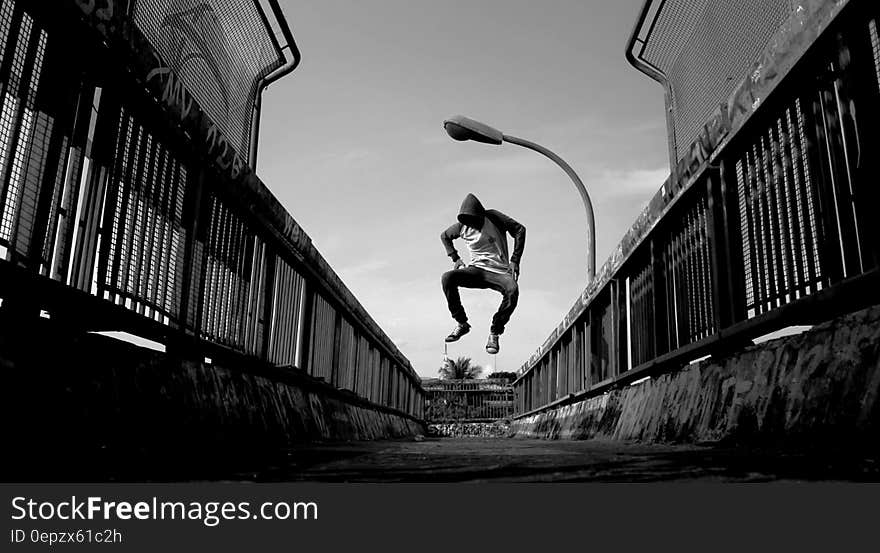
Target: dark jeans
[474,277]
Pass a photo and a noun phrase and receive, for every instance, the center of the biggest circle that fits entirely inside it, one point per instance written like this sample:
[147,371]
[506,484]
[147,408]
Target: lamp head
[462,128]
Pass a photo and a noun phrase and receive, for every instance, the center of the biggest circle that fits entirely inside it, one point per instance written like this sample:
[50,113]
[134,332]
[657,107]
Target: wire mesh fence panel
[323,334]
[689,276]
[347,356]
[641,300]
[601,355]
[564,364]
[384,386]
[141,259]
[375,375]
[255,301]
[780,230]
[22,129]
[18,133]
[701,46]
[363,367]
[392,387]
[219,49]
[286,314]
[227,268]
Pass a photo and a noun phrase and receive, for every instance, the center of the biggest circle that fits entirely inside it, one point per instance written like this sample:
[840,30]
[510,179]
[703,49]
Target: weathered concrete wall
[93,397]
[818,387]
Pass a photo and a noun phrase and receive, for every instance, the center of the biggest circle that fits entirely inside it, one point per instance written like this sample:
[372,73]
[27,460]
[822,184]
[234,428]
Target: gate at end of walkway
[472,400]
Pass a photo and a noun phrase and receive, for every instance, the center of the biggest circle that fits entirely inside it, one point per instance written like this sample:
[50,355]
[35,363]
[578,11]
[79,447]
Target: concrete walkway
[487,459]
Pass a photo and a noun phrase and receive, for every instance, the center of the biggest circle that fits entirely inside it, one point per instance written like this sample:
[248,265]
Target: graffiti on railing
[224,154]
[168,87]
[105,12]
[174,93]
[695,157]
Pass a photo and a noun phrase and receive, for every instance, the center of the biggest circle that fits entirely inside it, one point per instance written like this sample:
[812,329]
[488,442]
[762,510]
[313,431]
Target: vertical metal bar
[614,330]
[658,274]
[819,154]
[719,250]
[759,236]
[794,224]
[730,235]
[788,237]
[268,302]
[862,83]
[192,268]
[336,358]
[52,164]
[621,341]
[304,327]
[773,230]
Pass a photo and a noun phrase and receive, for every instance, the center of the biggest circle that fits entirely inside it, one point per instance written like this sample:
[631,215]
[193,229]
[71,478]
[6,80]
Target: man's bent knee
[447,278]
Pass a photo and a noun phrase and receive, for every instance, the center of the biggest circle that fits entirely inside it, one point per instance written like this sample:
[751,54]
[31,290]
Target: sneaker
[458,332]
[492,344]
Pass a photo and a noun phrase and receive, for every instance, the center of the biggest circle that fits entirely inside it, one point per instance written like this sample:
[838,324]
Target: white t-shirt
[488,247]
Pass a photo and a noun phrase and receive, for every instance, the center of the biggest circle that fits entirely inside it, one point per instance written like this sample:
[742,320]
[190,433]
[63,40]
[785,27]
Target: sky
[352,144]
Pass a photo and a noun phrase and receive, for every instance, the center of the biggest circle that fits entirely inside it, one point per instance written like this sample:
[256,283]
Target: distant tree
[462,368]
[509,376]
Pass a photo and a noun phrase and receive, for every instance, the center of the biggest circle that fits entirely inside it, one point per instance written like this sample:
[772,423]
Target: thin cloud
[502,165]
[625,183]
[366,268]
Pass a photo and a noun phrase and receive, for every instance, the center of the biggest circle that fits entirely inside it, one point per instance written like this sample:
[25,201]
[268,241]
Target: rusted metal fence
[468,400]
[125,207]
[768,221]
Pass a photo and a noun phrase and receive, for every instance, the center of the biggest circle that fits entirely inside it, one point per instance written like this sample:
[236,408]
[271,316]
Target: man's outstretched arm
[447,236]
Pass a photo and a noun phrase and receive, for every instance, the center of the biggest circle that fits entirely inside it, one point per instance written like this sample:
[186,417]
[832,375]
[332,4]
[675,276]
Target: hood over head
[471,212]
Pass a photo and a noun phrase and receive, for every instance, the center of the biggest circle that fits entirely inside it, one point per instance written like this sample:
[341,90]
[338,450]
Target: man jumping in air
[485,233]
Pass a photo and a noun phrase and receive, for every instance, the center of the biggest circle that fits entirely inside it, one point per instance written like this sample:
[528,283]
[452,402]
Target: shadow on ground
[485,460]
[454,460]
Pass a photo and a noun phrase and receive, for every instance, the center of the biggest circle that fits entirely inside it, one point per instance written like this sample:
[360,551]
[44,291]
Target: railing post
[334,361]
[719,249]
[191,275]
[822,173]
[729,234]
[661,317]
[860,99]
[268,301]
[618,355]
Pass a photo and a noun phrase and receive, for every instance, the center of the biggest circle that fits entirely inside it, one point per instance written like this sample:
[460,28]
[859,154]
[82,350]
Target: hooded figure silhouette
[484,231]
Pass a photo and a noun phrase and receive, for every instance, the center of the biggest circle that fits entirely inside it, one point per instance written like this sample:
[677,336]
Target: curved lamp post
[462,128]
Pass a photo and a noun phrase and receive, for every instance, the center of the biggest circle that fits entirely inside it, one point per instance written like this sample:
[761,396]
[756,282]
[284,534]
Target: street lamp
[462,128]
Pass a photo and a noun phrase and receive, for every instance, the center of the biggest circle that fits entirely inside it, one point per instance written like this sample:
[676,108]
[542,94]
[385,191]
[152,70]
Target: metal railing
[768,221]
[124,207]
